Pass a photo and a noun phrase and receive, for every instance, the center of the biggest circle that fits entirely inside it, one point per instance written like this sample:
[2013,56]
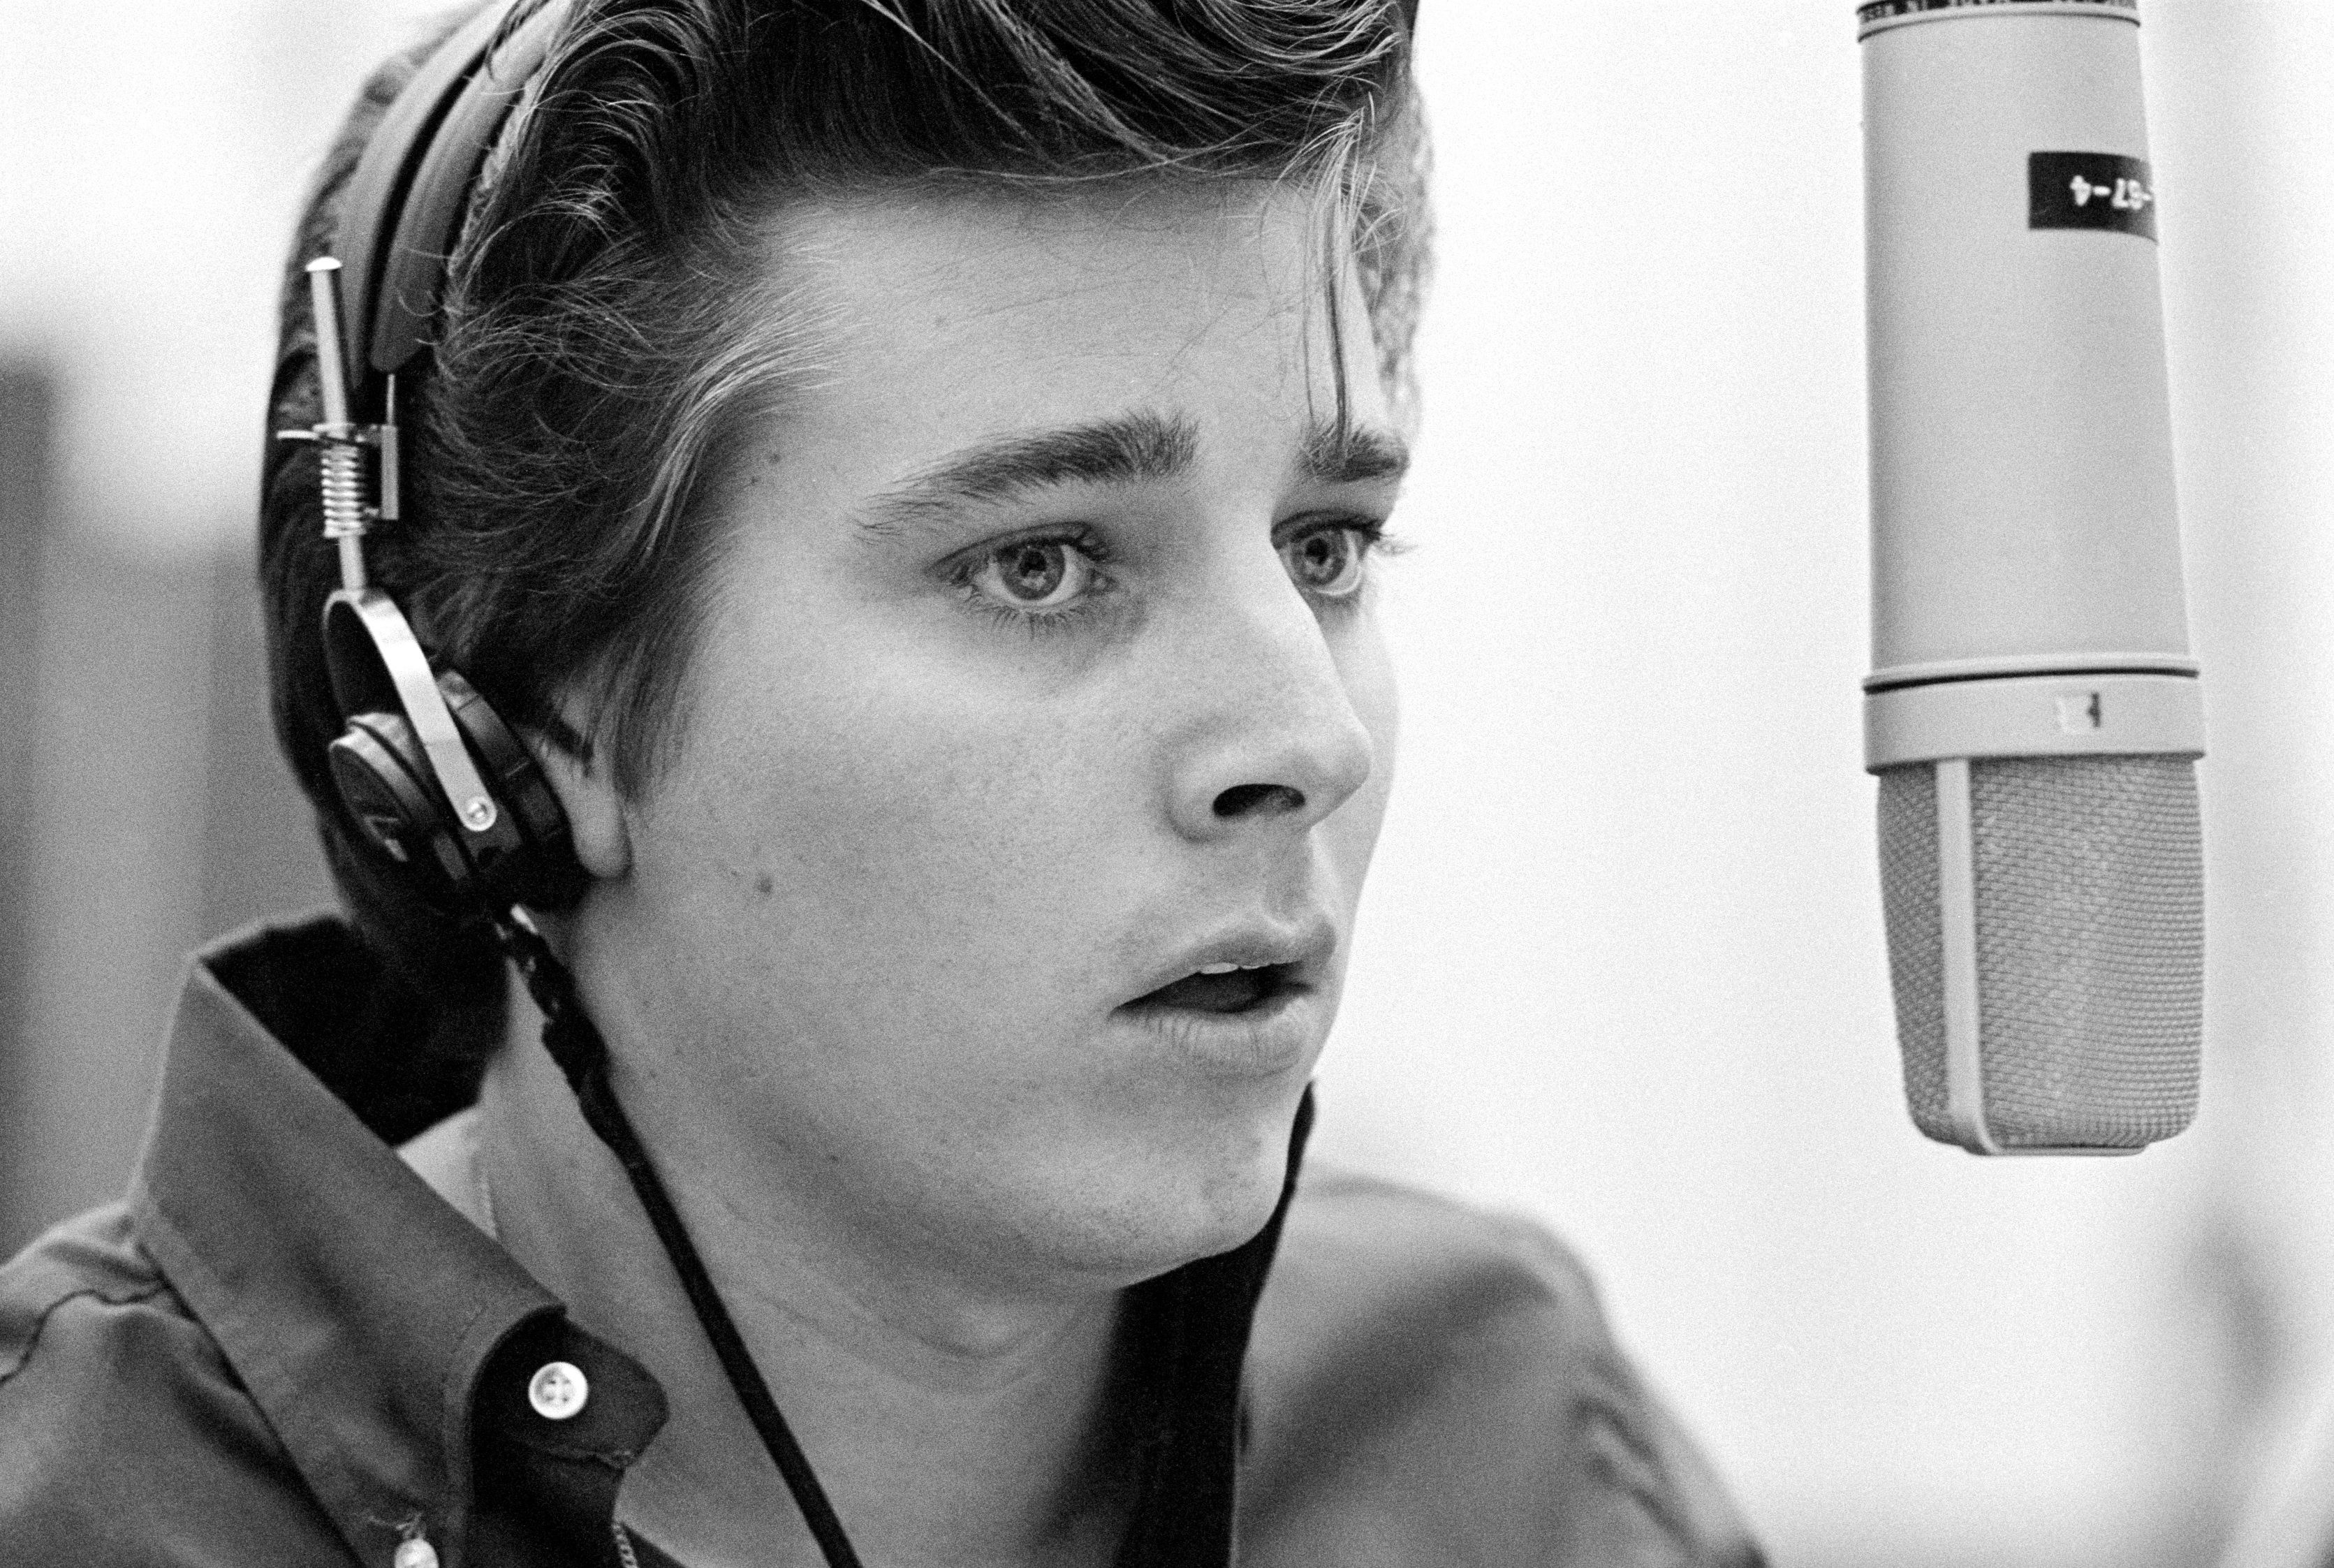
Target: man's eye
[1035,573]
[1328,562]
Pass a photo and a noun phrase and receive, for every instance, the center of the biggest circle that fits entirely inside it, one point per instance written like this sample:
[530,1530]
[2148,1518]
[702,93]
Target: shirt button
[415,1554]
[557,1391]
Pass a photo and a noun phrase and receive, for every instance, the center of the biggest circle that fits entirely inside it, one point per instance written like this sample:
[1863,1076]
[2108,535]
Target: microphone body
[2033,714]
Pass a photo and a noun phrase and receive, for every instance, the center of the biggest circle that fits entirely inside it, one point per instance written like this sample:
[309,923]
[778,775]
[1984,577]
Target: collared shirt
[284,1347]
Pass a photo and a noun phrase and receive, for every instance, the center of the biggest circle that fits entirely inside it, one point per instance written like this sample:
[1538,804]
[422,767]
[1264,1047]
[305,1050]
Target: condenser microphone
[2033,714]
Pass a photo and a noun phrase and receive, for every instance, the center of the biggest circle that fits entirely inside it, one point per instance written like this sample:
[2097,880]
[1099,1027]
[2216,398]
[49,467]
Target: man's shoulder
[96,1256]
[1384,1294]
[1425,1373]
[124,1435]
[1388,1247]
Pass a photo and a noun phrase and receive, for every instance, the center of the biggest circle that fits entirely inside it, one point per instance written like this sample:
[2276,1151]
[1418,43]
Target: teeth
[1228,968]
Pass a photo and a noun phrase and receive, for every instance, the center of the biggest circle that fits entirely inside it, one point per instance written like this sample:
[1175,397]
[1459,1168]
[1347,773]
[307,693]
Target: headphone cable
[575,1043]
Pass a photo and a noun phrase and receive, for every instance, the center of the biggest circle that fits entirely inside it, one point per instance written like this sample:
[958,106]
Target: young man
[911,474]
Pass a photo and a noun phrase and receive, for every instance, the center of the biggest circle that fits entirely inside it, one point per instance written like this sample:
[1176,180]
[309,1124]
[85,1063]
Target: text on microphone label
[2090,191]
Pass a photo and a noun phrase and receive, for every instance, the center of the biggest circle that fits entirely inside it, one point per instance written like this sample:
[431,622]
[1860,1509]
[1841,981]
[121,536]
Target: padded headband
[416,175]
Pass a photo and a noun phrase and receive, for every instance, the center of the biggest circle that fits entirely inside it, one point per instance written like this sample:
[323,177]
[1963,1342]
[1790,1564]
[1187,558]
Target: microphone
[2033,714]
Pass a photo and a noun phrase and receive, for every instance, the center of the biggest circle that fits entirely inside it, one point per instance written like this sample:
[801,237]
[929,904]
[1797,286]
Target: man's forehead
[952,261]
[986,347]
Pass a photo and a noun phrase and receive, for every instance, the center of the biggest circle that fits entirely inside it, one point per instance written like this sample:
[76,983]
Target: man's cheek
[992,852]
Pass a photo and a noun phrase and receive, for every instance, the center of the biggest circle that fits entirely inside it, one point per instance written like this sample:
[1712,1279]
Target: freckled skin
[863,943]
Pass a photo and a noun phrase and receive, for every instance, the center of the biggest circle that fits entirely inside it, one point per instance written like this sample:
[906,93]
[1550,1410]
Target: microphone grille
[2086,904]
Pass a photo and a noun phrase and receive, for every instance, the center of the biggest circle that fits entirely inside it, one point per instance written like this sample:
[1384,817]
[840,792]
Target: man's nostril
[1258,801]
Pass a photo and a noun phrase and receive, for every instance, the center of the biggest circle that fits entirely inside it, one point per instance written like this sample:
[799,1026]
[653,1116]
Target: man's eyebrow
[1339,453]
[1128,448]
[1125,449]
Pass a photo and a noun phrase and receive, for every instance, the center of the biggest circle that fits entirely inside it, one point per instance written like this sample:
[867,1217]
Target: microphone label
[2090,191]
[2080,713]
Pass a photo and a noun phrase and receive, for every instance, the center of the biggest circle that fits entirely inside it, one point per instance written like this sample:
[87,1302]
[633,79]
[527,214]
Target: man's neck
[946,1428]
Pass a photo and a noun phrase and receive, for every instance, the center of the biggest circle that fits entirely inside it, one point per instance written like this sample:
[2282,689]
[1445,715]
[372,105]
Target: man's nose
[1268,734]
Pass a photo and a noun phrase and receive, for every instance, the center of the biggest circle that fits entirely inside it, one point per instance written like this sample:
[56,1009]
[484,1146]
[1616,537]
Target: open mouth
[1223,988]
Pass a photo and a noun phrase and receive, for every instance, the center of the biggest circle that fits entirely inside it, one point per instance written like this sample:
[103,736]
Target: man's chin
[1177,1215]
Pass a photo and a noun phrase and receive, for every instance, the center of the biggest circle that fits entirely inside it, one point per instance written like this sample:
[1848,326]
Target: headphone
[430,775]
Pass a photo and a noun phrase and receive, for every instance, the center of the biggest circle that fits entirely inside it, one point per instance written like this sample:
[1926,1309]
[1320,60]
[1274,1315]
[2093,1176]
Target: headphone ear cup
[387,789]
[391,795]
[540,868]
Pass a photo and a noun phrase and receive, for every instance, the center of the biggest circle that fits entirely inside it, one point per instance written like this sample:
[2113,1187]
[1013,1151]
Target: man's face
[1042,673]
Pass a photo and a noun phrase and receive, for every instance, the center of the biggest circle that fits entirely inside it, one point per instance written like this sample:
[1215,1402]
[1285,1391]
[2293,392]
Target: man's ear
[587,794]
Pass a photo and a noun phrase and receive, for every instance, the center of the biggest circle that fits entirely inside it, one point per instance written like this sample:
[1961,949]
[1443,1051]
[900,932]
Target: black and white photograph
[1167,783]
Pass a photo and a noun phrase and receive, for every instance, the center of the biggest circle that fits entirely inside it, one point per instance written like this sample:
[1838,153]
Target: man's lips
[1242,968]
[1233,991]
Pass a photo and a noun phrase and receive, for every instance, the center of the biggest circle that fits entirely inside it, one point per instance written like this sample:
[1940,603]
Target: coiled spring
[341,467]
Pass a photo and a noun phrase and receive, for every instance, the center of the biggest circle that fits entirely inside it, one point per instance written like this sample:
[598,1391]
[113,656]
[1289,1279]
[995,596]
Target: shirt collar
[377,1328]
[358,1308]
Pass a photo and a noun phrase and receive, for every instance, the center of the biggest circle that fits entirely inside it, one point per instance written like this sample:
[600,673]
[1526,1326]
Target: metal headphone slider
[382,435]
[348,508]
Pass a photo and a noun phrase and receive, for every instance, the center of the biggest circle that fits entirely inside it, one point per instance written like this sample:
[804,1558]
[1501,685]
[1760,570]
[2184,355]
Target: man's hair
[613,322]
